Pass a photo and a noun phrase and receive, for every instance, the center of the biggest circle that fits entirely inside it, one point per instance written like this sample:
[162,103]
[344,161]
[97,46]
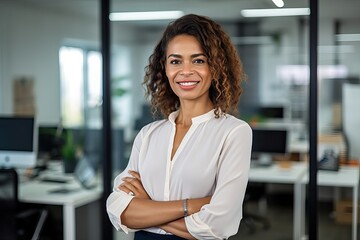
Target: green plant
[118,90]
[68,149]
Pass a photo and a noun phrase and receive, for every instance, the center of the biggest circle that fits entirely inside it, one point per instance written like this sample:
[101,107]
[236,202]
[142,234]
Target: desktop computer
[18,145]
[267,143]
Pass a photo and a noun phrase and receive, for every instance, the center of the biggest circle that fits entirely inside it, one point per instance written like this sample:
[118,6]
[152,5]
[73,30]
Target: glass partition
[338,121]
[274,52]
[49,52]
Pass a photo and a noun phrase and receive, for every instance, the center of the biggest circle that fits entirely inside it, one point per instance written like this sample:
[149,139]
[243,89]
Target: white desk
[347,176]
[39,192]
[293,175]
[299,146]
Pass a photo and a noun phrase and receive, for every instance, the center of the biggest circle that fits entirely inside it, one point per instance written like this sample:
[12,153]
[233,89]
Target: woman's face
[187,69]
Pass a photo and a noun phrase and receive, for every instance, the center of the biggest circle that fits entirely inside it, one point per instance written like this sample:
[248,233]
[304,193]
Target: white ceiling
[224,10]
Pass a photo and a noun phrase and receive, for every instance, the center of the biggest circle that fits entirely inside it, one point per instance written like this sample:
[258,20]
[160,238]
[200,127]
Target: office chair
[16,223]
[254,192]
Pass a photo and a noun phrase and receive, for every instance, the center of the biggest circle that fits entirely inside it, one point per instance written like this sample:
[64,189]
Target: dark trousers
[144,235]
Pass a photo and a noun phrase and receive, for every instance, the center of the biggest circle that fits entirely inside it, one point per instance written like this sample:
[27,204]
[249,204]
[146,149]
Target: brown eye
[175,62]
[199,61]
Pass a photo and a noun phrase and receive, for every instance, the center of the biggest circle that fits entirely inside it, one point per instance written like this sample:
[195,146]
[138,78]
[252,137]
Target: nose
[187,69]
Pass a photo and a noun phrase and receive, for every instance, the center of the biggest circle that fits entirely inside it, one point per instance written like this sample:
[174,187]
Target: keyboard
[53,180]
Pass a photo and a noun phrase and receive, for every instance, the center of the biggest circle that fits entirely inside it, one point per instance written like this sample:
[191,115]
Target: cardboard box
[344,211]
[23,96]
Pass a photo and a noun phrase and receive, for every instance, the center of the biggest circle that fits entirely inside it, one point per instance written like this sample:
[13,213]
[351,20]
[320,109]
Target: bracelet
[185,208]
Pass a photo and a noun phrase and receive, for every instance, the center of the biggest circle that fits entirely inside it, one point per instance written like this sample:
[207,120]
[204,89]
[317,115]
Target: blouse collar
[195,120]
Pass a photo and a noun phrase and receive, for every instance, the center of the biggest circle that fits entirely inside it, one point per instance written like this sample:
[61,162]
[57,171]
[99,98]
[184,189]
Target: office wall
[351,118]
[30,39]
[29,45]
[348,55]
[3,29]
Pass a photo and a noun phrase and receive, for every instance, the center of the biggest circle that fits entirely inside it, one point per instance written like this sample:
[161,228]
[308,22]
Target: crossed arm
[142,212]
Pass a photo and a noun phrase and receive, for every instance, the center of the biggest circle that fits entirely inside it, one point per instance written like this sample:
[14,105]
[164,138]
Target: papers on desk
[54,180]
[64,190]
[50,177]
[281,165]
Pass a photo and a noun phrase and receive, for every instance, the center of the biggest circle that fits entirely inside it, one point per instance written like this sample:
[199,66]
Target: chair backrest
[8,203]
[8,190]
[15,224]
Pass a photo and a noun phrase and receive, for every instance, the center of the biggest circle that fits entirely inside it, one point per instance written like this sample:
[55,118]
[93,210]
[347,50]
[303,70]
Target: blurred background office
[51,68]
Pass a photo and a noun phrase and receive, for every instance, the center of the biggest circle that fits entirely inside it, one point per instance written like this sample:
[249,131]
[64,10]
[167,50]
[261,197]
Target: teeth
[187,83]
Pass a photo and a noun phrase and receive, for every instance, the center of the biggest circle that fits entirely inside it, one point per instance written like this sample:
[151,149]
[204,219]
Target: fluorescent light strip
[275,12]
[348,37]
[141,16]
[278,3]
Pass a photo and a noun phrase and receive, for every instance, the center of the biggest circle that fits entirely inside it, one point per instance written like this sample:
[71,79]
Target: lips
[188,84]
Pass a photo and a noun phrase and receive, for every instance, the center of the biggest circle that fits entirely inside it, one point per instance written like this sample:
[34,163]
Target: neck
[189,111]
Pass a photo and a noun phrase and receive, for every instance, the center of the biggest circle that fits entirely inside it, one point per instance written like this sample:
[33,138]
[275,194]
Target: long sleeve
[115,205]
[213,159]
[118,200]
[221,217]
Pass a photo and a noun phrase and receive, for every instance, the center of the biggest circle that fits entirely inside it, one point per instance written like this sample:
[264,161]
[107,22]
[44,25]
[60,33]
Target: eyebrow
[192,55]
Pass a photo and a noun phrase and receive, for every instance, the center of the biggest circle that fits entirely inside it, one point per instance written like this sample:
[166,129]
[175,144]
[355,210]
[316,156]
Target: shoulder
[232,123]
[147,129]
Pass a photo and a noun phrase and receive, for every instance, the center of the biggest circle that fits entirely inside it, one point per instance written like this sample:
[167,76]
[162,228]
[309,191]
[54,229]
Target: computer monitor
[17,142]
[272,112]
[50,140]
[267,142]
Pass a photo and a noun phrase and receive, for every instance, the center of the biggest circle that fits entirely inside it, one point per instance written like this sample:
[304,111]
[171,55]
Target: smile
[187,83]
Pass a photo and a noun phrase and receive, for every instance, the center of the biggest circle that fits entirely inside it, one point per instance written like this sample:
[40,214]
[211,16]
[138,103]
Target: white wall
[351,118]
[282,52]
[29,45]
[327,56]
[4,14]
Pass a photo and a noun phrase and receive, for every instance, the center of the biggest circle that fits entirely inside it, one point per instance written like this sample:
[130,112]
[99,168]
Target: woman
[187,174]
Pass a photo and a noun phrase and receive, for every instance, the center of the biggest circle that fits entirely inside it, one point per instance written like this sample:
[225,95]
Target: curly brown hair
[223,59]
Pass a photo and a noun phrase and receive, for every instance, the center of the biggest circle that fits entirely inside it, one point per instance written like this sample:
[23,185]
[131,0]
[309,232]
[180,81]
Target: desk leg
[69,222]
[302,210]
[355,211]
[298,218]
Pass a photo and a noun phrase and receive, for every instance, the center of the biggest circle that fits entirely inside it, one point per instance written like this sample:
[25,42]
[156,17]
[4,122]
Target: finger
[134,174]
[133,181]
[123,188]
[127,189]
[130,185]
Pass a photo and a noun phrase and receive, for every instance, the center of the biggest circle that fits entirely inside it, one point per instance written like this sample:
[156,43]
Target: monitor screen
[50,139]
[272,141]
[17,142]
[276,112]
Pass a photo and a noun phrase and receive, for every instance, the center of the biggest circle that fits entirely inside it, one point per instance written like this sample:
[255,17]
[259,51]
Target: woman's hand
[133,186]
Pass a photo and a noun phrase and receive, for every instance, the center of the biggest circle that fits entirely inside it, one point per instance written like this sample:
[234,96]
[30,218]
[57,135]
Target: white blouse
[212,159]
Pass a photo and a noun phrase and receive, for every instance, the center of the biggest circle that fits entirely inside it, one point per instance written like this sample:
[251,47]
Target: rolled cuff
[116,203]
[198,229]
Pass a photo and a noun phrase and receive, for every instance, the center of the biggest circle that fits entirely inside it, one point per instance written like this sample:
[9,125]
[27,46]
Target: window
[81,87]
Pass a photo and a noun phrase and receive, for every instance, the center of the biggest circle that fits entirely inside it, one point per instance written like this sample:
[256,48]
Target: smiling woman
[187,174]
[188,71]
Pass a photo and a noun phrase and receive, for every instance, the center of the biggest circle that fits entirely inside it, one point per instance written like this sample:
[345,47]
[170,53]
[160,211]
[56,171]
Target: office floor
[280,213]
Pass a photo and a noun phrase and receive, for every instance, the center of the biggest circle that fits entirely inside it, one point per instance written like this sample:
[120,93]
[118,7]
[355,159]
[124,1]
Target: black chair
[15,223]
[255,192]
